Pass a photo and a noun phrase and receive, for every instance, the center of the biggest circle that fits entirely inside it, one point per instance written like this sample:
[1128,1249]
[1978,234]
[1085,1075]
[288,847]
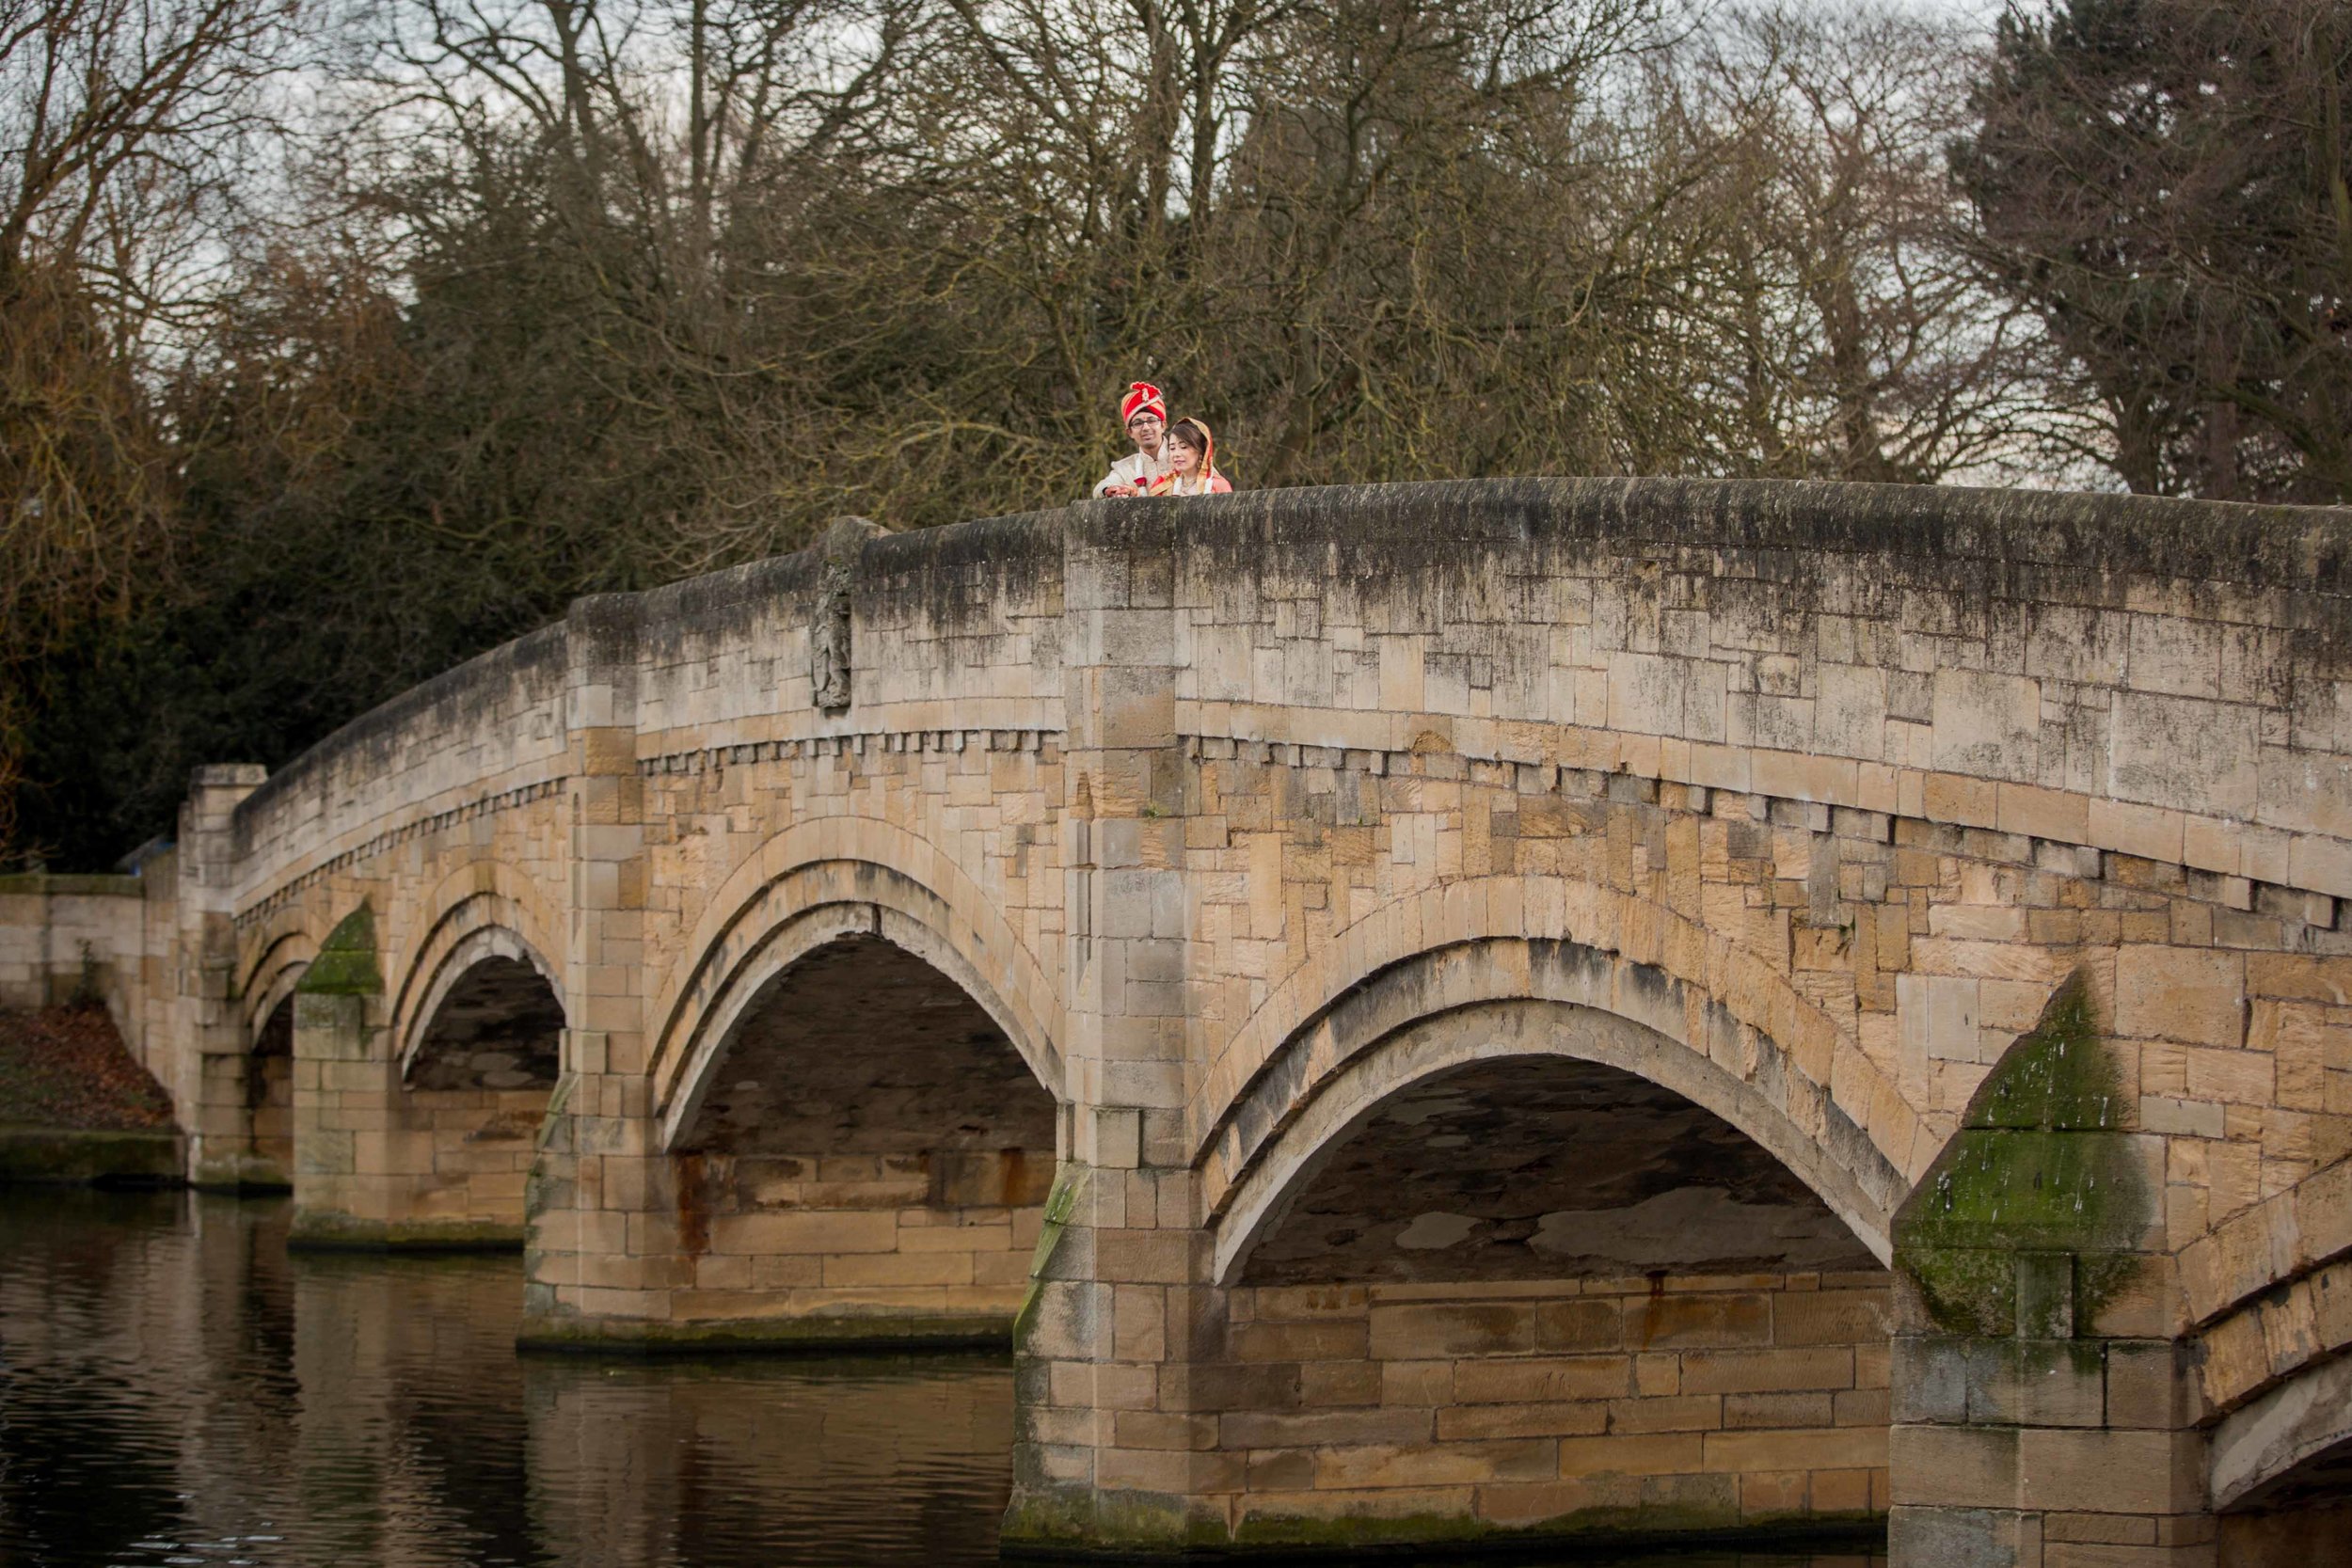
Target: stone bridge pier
[1480,1012]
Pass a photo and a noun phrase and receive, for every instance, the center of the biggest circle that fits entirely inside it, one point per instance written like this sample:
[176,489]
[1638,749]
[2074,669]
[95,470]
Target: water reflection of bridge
[179,1390]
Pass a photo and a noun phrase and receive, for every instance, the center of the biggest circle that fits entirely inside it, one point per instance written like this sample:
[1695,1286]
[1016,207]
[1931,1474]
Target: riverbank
[76,1107]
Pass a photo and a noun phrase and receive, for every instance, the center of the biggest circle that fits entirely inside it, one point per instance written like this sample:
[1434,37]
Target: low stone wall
[58,934]
[75,1106]
[42,1155]
[1332,1415]
[907,1248]
[63,935]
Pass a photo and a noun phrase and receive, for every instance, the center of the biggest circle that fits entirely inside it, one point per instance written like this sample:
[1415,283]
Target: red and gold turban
[1142,398]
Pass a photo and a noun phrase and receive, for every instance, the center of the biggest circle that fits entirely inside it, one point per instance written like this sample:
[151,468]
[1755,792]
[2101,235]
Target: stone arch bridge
[1561,1007]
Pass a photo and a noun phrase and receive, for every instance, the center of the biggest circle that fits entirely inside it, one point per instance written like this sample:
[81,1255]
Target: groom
[1144,412]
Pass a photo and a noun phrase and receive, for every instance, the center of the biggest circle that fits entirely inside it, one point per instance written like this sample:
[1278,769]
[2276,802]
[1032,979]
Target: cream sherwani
[1136,468]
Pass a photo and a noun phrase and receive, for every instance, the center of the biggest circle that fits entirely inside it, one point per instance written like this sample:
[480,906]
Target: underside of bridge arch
[1542,1293]
[861,1156]
[2281,1473]
[498,1027]
[1546,1167]
[269,1099]
[420,1131]
[1484,1287]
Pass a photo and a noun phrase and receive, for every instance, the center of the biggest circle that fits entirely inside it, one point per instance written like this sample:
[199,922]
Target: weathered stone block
[1767,1372]
[1419,1332]
[1517,1380]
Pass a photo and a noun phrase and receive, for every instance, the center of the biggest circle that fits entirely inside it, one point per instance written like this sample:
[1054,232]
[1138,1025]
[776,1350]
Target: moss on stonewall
[1677,1527]
[1060,1205]
[550,1333]
[323,1230]
[2056,1077]
[1071,1522]
[2031,1222]
[1064,1521]
[346,963]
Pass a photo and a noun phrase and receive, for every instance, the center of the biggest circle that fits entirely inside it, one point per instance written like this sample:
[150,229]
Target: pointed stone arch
[466,961]
[481,896]
[1509,1175]
[1687,983]
[1501,999]
[823,880]
[854,1107]
[1668,1029]
[274,978]
[273,967]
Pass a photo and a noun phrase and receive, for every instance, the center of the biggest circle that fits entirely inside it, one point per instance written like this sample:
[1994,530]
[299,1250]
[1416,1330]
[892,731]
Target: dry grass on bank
[67,1068]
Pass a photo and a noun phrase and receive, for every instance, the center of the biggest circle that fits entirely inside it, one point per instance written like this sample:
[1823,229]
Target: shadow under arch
[855,1094]
[851,1145]
[1691,984]
[858,1075]
[1593,1005]
[1437,1052]
[481,894]
[773,963]
[491,971]
[817,883]
[1529,1226]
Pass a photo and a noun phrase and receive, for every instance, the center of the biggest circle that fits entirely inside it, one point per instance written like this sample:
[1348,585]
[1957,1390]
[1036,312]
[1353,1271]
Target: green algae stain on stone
[2057,1077]
[2040,1175]
[1060,1205]
[346,964]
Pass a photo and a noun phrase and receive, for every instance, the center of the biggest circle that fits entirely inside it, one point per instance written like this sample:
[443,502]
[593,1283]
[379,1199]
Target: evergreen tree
[2164,182]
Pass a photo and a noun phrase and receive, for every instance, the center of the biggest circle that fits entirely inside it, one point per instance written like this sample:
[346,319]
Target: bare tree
[116,111]
[1857,340]
[585,294]
[121,122]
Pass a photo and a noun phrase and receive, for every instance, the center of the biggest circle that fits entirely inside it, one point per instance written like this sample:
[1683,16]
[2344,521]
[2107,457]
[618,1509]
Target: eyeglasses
[1143,418]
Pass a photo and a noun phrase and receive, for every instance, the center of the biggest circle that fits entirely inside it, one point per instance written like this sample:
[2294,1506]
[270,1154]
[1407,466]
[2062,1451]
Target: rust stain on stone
[1657,1294]
[693,1203]
[1013,1177]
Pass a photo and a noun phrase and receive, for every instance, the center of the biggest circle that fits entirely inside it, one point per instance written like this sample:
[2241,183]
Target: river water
[176,1389]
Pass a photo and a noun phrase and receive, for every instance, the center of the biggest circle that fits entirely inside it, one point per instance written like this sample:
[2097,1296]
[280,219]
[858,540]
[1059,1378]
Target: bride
[1191,463]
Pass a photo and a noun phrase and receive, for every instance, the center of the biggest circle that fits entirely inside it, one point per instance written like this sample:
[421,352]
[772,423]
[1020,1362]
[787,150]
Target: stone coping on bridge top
[1987,582]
